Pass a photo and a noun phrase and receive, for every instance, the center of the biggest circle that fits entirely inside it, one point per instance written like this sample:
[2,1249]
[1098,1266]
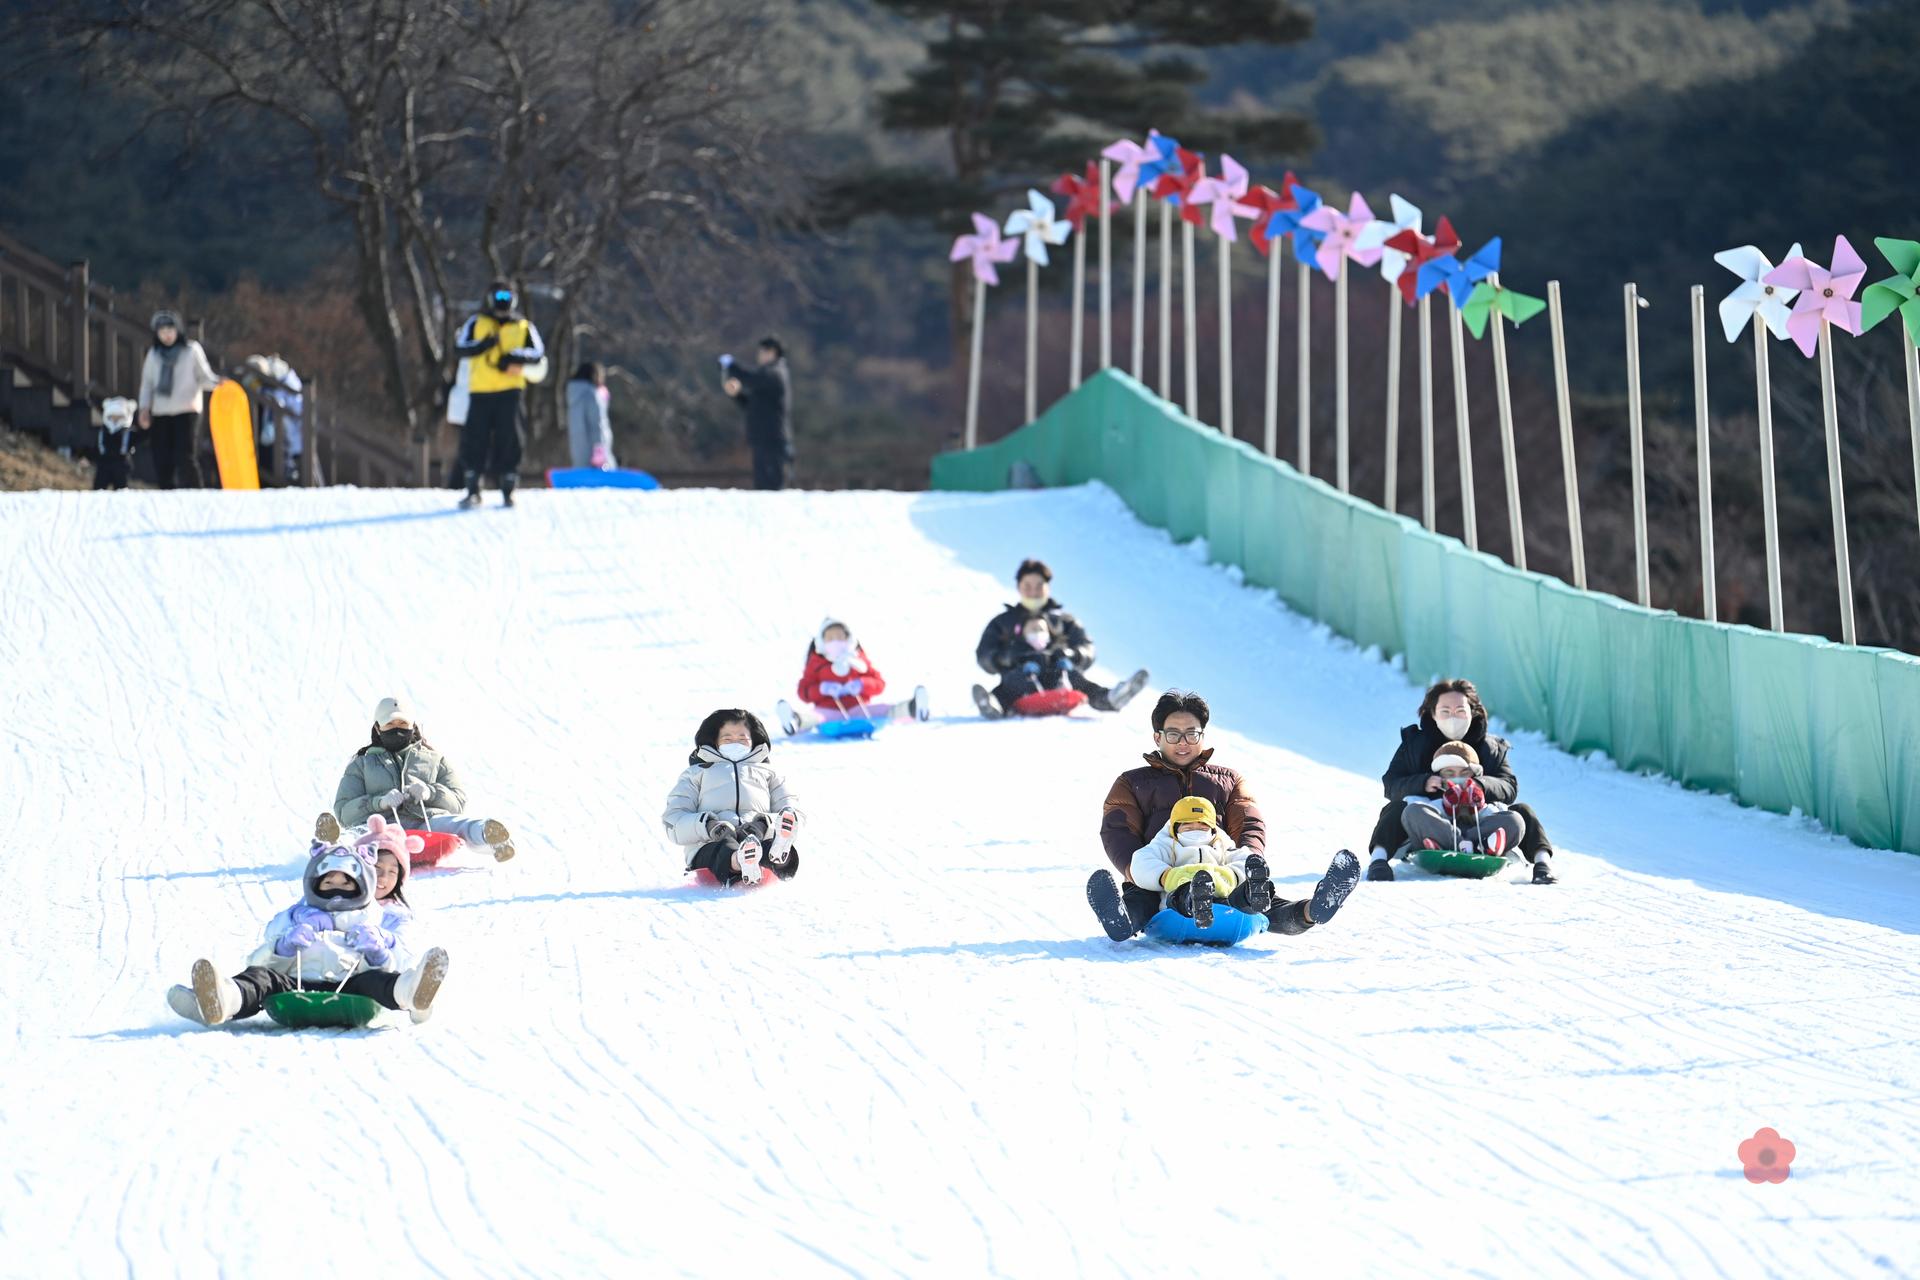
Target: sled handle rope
[300,985]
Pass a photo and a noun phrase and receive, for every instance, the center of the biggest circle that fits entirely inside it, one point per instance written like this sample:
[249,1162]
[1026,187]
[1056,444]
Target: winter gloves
[374,944]
[392,799]
[1462,799]
[843,688]
[296,940]
[419,790]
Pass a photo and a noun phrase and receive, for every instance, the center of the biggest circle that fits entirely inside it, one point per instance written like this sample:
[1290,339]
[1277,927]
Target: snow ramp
[920,1057]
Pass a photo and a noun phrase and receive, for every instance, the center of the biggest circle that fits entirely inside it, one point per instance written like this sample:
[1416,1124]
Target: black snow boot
[1103,895]
[508,483]
[989,709]
[1380,869]
[1201,901]
[472,499]
[1254,895]
[1543,870]
[1342,874]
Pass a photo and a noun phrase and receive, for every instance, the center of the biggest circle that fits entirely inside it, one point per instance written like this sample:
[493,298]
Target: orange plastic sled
[232,422]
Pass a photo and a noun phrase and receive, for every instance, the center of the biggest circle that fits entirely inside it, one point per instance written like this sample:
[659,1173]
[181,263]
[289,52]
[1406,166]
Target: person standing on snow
[499,343]
[589,431]
[1451,711]
[282,406]
[1004,652]
[172,380]
[765,394]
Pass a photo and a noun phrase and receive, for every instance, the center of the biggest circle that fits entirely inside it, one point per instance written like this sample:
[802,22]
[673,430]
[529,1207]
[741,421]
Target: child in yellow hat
[1195,864]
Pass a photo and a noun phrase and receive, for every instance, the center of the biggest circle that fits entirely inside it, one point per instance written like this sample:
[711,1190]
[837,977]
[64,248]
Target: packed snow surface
[920,1057]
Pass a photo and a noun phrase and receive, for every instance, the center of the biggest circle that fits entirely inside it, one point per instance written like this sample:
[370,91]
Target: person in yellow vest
[498,343]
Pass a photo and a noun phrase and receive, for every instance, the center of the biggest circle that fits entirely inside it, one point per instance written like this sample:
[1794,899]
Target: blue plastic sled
[856,728]
[594,478]
[1229,927]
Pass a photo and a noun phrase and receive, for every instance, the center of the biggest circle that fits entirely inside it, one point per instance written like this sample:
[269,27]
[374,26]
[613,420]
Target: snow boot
[471,501]
[1124,692]
[749,857]
[781,847]
[215,995]
[989,709]
[1103,895]
[1257,890]
[495,834]
[789,720]
[508,483]
[416,988]
[326,829]
[917,705]
[1342,874]
[1202,899]
[1543,870]
[1381,868]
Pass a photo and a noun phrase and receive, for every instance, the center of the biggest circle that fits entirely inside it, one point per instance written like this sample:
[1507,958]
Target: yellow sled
[232,421]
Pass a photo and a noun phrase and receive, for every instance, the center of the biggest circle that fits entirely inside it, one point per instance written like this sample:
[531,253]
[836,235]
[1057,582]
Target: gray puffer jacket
[587,423]
[714,786]
[376,771]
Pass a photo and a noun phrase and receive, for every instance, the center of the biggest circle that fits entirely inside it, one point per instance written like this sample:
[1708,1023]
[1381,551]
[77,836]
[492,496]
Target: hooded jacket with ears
[1141,800]
[1412,764]
[375,771]
[1165,852]
[329,961]
[820,669]
[1001,648]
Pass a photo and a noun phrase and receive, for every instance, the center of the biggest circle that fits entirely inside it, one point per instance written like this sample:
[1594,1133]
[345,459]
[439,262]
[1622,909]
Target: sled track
[920,1057]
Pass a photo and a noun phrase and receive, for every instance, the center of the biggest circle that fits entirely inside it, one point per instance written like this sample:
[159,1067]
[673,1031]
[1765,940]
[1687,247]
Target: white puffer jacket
[1165,853]
[714,786]
[329,961]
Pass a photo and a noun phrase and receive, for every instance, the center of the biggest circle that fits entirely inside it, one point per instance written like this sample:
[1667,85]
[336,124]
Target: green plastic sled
[1452,862]
[303,1009]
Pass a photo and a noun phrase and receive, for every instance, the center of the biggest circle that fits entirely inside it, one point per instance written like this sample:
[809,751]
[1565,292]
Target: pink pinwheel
[1130,156]
[1224,193]
[1826,293]
[1341,235]
[985,247]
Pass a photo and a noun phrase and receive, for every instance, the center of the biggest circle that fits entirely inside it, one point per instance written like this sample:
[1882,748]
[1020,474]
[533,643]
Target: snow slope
[921,1057]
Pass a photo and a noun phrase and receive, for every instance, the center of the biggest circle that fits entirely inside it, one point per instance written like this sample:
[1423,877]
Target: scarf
[164,387]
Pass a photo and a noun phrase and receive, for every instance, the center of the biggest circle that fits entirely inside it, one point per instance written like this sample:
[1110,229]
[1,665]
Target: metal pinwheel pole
[1188,319]
[1273,350]
[973,363]
[1166,301]
[1392,487]
[1106,273]
[1763,388]
[1078,339]
[1709,599]
[1569,467]
[1140,284]
[1033,339]
[1642,588]
[1469,519]
[1226,336]
[1509,460]
[1829,406]
[1427,502]
[1340,376]
[1303,321]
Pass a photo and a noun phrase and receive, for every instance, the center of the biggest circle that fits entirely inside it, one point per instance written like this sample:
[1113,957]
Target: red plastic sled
[438,845]
[704,879]
[1049,702]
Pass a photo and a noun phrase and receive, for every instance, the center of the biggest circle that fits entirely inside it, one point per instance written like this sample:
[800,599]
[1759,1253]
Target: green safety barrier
[1780,721]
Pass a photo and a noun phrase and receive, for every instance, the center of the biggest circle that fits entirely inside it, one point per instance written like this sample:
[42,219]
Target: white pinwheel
[1753,295]
[1406,217]
[1037,226]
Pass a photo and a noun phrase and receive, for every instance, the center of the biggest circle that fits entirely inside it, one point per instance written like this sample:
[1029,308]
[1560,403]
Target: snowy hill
[921,1057]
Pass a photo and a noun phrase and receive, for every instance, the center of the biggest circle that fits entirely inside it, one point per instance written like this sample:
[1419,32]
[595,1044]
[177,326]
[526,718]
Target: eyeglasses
[1175,735]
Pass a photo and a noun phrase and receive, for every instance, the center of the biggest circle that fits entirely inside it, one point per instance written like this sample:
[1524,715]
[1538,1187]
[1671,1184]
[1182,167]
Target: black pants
[1389,832]
[1142,904]
[491,441]
[174,438]
[114,468]
[772,466]
[258,982]
[716,856]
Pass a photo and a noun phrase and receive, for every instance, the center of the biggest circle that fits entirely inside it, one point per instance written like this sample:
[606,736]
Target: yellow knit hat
[1194,809]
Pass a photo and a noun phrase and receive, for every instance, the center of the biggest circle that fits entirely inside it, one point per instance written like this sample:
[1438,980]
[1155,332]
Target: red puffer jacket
[820,669]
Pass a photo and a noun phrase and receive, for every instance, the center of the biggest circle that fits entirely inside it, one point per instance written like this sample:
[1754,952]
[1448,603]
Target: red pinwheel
[1083,194]
[1443,243]
[1267,202]
[1178,186]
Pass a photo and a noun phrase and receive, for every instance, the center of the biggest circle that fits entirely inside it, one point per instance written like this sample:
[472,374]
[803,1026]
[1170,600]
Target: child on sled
[1043,663]
[334,939]
[731,811]
[1460,816]
[1195,865]
[400,775]
[839,682]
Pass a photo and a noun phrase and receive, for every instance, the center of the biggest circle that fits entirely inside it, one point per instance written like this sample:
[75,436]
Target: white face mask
[1037,639]
[1194,839]
[735,751]
[1455,727]
[837,649]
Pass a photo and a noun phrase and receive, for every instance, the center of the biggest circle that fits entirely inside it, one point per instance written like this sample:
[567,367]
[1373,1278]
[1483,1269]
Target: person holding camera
[765,394]
[498,343]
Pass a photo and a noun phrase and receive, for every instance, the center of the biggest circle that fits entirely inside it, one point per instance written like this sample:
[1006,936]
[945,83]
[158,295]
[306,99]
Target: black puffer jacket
[1001,647]
[1419,743]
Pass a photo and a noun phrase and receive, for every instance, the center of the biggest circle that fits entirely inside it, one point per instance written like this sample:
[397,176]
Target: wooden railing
[57,324]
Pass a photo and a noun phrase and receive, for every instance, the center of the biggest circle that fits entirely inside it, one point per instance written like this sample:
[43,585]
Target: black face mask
[396,740]
[335,894]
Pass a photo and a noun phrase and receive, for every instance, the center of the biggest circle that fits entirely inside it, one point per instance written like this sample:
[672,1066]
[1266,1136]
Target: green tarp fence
[1780,721]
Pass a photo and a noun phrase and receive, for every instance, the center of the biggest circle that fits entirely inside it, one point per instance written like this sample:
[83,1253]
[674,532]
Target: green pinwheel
[1490,296]
[1896,293]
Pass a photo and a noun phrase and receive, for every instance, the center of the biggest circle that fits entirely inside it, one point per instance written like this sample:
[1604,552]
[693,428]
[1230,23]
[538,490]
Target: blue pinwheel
[1165,158]
[1288,222]
[1458,278]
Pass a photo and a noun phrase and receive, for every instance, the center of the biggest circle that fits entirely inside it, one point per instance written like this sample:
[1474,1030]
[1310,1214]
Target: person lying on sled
[333,939]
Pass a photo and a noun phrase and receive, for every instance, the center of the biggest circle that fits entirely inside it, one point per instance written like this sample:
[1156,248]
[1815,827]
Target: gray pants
[470,830]
[1424,822]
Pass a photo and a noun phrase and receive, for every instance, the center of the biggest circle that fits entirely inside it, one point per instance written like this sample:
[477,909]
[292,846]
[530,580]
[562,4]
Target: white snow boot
[417,987]
[215,996]
[749,858]
[495,834]
[782,842]
[326,829]
[919,703]
[988,708]
[784,713]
